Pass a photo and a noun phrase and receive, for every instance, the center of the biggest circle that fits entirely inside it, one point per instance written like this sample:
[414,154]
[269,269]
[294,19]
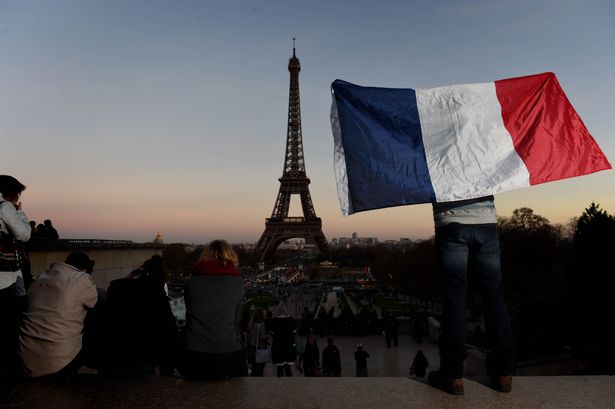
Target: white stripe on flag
[469,151]
[339,161]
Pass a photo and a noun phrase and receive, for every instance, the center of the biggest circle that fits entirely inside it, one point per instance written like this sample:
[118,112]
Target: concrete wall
[111,263]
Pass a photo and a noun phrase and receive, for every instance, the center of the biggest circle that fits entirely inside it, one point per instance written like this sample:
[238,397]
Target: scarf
[214,268]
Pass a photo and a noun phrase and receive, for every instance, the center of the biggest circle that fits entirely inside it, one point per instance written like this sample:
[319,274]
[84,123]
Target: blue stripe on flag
[383,147]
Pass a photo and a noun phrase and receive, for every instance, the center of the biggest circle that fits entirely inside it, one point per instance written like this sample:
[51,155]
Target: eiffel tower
[294,181]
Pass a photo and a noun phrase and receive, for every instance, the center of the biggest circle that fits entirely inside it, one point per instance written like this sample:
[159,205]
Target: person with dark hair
[310,357]
[51,339]
[41,231]
[138,331]
[81,261]
[360,358]
[213,347]
[257,340]
[283,347]
[331,360]
[152,268]
[50,231]
[32,229]
[15,274]
[391,329]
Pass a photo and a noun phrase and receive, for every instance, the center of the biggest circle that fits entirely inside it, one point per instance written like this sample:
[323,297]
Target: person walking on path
[360,357]
[310,357]
[257,339]
[283,349]
[391,329]
[331,361]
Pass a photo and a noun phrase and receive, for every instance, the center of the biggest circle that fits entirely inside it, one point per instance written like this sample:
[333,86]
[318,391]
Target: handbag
[262,355]
[9,261]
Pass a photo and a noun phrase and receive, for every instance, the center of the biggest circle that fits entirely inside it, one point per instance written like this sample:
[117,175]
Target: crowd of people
[68,322]
[287,348]
[129,329]
[43,231]
[54,325]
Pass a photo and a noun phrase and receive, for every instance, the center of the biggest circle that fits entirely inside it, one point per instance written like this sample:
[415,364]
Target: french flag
[397,147]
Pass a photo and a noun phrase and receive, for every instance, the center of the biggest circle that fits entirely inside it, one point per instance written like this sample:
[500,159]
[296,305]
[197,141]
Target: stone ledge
[94,392]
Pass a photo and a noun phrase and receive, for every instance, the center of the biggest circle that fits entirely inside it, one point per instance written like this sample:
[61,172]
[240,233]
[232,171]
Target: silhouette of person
[33,232]
[360,357]
[391,328]
[50,231]
[283,348]
[310,357]
[467,234]
[139,330]
[419,364]
[331,361]
[41,231]
[15,274]
[257,339]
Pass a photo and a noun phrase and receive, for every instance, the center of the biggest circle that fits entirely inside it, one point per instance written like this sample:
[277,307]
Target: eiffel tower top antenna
[294,165]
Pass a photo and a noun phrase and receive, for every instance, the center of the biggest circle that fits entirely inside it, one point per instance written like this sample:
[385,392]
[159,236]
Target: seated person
[213,347]
[50,342]
[138,331]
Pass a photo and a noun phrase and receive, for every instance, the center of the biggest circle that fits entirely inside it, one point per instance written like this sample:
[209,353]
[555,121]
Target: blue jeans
[457,247]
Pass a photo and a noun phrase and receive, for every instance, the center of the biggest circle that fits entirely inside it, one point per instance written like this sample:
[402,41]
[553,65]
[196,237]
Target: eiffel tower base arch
[278,231]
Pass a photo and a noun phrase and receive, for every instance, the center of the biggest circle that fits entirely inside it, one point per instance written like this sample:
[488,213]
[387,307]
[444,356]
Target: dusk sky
[125,118]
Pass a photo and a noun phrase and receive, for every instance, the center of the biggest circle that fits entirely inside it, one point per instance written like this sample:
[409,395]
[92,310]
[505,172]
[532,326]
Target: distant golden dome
[158,239]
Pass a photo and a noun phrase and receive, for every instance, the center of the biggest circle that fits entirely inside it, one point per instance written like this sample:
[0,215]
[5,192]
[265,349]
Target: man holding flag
[467,234]
[455,147]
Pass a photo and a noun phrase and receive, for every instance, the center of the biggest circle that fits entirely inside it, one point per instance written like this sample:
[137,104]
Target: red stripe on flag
[547,133]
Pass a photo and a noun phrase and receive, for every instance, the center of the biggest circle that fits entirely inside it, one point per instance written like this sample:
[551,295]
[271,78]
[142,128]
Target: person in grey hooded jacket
[213,346]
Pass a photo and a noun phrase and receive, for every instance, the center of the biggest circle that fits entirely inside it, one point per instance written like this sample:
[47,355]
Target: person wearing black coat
[331,363]
[283,348]
[310,357]
[419,364]
[138,329]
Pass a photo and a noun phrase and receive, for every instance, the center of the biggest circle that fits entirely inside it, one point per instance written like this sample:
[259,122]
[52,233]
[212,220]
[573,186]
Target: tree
[533,256]
[524,219]
[591,284]
[175,256]
[594,228]
[530,254]
[180,258]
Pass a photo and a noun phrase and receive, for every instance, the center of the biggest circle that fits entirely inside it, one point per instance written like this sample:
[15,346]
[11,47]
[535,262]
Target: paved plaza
[388,387]
[158,392]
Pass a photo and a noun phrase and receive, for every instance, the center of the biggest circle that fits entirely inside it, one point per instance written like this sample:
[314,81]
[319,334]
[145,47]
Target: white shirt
[15,222]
